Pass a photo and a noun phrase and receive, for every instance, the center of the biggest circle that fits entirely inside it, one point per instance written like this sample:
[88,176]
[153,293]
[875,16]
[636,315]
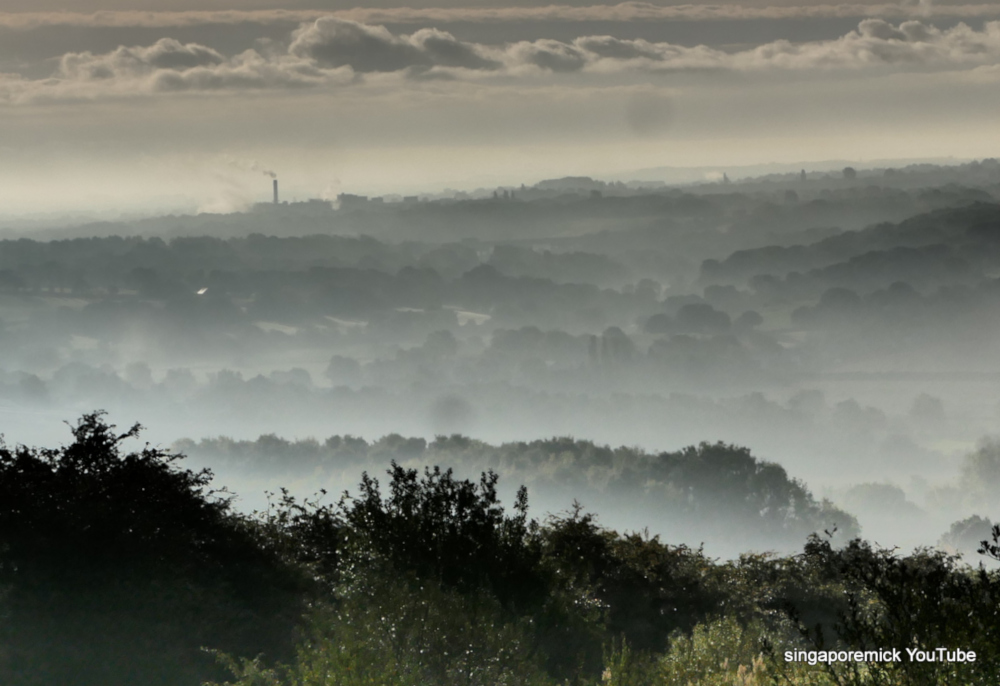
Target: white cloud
[165,54]
[330,52]
[879,43]
[875,44]
[168,66]
[332,42]
[250,71]
[550,55]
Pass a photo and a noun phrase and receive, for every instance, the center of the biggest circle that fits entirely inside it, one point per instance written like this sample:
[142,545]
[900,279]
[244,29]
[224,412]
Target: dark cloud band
[628,11]
[331,52]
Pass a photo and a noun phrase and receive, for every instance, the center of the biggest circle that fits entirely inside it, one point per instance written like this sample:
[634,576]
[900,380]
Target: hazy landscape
[841,325]
[652,398]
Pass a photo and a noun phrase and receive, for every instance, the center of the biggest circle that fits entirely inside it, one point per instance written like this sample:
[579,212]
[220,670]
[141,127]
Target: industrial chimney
[275,191]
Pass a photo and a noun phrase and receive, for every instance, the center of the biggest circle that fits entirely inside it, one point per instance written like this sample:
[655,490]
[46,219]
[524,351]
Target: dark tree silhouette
[449,530]
[119,566]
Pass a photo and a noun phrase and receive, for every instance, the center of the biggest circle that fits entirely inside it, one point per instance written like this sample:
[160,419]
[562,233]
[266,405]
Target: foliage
[923,601]
[455,534]
[713,491]
[626,667]
[120,565]
[719,652]
[647,589]
[449,530]
[724,652]
[396,632]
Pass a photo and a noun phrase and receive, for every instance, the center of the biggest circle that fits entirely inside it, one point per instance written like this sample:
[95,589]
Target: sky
[175,105]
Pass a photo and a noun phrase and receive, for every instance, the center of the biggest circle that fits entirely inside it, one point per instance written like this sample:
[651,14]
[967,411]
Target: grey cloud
[876,42]
[166,53]
[168,67]
[444,50]
[335,42]
[332,52]
[548,54]
[880,29]
[249,71]
[169,54]
[916,31]
[626,11]
[610,47]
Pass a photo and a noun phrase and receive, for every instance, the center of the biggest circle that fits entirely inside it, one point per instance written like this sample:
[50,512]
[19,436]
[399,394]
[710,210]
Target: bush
[401,632]
[451,531]
[119,566]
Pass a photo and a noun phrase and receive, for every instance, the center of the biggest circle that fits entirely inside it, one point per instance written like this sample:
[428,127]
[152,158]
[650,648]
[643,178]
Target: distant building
[310,206]
[349,201]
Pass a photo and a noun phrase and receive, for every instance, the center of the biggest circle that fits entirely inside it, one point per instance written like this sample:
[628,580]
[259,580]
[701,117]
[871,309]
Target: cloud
[875,44]
[331,52]
[153,19]
[444,50]
[879,43]
[609,47]
[332,42]
[249,71]
[626,11]
[168,66]
[550,55]
[166,53]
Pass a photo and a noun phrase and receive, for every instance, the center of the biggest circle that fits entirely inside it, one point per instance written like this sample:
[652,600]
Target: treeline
[111,264]
[153,267]
[928,249]
[623,302]
[119,567]
[711,492]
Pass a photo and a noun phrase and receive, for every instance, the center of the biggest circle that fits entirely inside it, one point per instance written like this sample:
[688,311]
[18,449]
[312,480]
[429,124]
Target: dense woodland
[122,566]
[712,492]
